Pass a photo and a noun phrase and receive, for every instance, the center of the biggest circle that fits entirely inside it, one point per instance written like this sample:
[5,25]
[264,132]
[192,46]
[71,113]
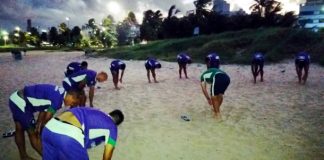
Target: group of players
[69,134]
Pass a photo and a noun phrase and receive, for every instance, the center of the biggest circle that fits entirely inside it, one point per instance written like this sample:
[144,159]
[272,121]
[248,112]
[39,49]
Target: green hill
[233,47]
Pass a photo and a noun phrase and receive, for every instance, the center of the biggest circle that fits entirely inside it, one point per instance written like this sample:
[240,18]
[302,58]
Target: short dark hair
[158,65]
[117,116]
[84,64]
[122,66]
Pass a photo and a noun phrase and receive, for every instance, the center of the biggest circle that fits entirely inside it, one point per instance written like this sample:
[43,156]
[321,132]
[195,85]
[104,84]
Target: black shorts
[114,71]
[182,63]
[258,62]
[147,66]
[301,64]
[220,83]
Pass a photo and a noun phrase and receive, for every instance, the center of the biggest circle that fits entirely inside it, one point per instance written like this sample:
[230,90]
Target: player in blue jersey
[183,59]
[115,66]
[69,135]
[257,66]
[77,82]
[43,98]
[212,60]
[72,68]
[302,61]
[219,81]
[151,64]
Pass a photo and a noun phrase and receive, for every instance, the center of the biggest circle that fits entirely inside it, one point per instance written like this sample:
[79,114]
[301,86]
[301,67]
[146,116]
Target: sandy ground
[276,119]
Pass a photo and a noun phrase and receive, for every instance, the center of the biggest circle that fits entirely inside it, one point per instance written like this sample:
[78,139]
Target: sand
[275,119]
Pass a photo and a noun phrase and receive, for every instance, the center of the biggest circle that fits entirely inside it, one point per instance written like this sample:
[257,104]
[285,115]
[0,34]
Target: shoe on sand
[185,118]
[9,133]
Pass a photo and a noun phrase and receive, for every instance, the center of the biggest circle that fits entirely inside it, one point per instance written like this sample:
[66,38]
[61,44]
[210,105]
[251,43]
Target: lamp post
[17,28]
[5,36]
[68,27]
[67,19]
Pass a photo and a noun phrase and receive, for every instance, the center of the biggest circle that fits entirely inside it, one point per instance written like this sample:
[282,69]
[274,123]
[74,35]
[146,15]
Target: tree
[202,4]
[202,13]
[288,20]
[170,27]
[64,36]
[108,34]
[76,36]
[258,7]
[268,11]
[53,36]
[272,10]
[43,36]
[131,18]
[151,25]
[33,37]
[128,30]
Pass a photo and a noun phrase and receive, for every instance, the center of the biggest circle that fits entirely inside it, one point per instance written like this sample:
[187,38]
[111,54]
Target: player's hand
[209,101]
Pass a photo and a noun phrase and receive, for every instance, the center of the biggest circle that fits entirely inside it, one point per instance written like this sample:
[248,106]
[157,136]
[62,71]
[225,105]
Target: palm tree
[202,4]
[258,7]
[264,8]
[151,24]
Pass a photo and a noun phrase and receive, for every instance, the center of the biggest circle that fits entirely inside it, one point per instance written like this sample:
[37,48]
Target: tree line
[108,33]
[265,13]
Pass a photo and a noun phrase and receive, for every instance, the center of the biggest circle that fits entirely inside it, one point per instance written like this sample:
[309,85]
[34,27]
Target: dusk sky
[47,13]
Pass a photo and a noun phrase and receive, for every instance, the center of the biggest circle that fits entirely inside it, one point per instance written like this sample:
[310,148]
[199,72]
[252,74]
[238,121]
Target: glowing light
[17,28]
[67,18]
[287,5]
[187,1]
[5,33]
[114,7]
[5,38]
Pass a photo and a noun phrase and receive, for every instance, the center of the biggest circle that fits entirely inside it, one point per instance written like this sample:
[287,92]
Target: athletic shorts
[61,140]
[147,66]
[259,62]
[69,87]
[301,63]
[182,61]
[114,71]
[219,84]
[20,112]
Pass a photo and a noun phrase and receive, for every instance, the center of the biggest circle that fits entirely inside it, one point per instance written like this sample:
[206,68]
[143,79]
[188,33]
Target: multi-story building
[311,14]
[221,6]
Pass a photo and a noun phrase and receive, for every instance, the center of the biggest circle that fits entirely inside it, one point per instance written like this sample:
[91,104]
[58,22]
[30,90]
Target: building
[221,6]
[29,25]
[311,15]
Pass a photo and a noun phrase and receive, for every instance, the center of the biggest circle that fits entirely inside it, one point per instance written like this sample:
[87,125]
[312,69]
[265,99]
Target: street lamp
[17,28]
[5,38]
[5,33]
[67,19]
